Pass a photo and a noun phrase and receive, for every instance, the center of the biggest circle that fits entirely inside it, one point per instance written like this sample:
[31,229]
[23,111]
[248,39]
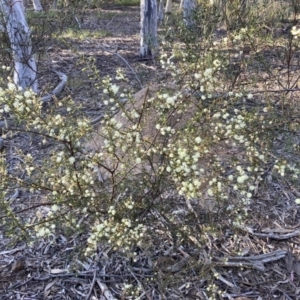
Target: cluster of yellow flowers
[24,104]
[295,31]
[120,232]
[131,291]
[214,291]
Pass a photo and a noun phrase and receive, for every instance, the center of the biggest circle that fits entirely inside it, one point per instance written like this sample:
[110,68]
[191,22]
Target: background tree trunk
[160,11]
[21,46]
[37,5]
[168,8]
[189,7]
[181,5]
[148,40]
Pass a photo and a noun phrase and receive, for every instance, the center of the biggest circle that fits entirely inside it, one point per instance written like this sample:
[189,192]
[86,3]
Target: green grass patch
[127,2]
[84,33]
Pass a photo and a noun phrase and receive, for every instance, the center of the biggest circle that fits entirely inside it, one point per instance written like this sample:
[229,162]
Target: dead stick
[92,286]
[106,292]
[278,236]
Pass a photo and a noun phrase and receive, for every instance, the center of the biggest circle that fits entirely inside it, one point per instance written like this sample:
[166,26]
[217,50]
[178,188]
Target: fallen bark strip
[12,251]
[84,274]
[278,236]
[273,235]
[106,292]
[264,258]
[254,261]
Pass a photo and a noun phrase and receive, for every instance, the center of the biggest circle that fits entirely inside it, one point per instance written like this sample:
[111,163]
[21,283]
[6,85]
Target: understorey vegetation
[184,163]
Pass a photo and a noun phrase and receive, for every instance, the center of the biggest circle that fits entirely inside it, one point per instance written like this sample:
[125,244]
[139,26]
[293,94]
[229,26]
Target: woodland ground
[51,269]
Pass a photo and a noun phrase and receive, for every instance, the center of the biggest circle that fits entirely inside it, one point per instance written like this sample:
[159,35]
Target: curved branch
[63,80]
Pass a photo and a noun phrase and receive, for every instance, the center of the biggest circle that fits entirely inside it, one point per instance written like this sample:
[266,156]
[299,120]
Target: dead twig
[78,23]
[106,292]
[250,265]
[111,20]
[92,286]
[126,62]
[122,58]
[278,236]
[221,278]
[96,120]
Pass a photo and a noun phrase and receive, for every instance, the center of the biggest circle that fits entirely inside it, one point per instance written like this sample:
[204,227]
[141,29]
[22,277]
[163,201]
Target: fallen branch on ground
[254,261]
[63,80]
[273,235]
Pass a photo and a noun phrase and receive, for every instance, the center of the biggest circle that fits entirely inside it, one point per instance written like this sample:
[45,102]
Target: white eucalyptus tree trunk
[181,5]
[168,8]
[37,5]
[19,36]
[189,7]
[149,19]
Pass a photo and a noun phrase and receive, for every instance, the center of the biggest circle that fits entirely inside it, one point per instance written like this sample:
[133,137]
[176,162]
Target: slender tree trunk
[181,5]
[168,8]
[160,15]
[148,40]
[189,7]
[21,46]
[37,5]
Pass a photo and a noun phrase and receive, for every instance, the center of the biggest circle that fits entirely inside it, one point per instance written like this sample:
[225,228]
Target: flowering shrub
[161,158]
